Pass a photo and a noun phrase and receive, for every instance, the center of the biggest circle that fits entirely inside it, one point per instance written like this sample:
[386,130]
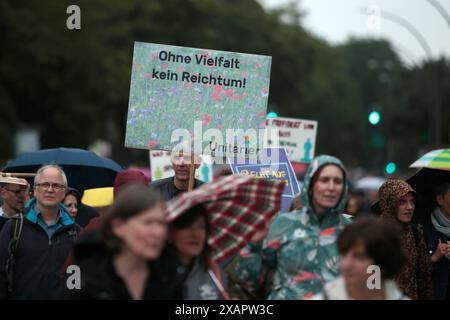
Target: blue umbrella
[84,169]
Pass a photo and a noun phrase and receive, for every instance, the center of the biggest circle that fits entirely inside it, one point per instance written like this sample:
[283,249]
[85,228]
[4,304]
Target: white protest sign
[298,136]
[161,166]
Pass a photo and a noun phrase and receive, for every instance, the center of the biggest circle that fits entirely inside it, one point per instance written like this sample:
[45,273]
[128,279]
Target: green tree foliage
[419,100]
[74,84]
[407,98]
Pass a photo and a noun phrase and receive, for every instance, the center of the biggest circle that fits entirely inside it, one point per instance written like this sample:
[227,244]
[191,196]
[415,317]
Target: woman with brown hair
[370,258]
[119,260]
[397,203]
[189,254]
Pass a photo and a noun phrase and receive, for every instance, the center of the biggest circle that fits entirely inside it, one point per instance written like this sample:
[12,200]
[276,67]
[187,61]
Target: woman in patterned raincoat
[397,202]
[299,251]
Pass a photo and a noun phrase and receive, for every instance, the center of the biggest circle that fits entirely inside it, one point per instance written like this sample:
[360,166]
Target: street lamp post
[436,110]
[441,10]
[446,17]
[435,114]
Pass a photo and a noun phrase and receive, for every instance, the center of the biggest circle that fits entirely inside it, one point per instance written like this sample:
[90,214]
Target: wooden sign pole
[191,173]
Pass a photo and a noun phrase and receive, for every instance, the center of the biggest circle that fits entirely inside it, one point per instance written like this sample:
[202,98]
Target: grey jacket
[199,284]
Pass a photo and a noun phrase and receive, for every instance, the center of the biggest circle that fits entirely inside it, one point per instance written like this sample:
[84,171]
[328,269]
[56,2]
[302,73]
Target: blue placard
[275,166]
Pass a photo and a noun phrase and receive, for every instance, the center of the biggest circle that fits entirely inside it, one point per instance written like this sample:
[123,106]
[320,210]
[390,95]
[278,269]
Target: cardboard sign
[192,90]
[275,170]
[298,136]
[161,167]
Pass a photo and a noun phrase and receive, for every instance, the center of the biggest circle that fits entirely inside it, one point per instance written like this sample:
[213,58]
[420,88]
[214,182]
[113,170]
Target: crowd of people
[133,250]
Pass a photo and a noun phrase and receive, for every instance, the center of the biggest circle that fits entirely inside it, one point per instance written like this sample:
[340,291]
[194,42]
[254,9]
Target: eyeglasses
[17,192]
[46,186]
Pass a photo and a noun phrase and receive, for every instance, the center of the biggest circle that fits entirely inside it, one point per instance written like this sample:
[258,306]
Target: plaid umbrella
[238,207]
[436,159]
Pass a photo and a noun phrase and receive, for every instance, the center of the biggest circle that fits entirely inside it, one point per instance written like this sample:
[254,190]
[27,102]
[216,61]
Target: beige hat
[13,180]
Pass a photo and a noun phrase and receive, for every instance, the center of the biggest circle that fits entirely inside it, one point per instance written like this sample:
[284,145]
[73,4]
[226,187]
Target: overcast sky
[337,20]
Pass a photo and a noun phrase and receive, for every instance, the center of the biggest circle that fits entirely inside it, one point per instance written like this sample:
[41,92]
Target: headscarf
[414,278]
[390,193]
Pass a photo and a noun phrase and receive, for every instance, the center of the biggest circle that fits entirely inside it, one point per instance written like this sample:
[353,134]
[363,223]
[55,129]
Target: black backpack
[12,246]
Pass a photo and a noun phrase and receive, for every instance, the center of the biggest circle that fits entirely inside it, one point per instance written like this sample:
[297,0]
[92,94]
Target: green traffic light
[390,168]
[374,117]
[272,115]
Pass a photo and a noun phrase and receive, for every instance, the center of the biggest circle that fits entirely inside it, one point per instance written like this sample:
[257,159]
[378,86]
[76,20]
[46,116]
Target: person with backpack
[13,196]
[397,203]
[35,244]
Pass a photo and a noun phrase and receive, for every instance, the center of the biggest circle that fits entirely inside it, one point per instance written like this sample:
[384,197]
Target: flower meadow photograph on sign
[172,87]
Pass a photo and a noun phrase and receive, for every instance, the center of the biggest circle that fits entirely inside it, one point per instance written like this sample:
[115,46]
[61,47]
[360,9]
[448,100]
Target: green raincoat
[300,249]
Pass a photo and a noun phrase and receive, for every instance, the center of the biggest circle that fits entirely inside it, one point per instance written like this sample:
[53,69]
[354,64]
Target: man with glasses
[13,195]
[47,235]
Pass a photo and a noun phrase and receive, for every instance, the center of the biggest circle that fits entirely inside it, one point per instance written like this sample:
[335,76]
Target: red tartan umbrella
[238,207]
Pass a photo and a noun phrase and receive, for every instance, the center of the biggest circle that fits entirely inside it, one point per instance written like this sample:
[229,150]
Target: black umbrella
[84,169]
[424,182]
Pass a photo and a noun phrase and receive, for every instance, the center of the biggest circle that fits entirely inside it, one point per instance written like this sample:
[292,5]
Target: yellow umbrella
[98,197]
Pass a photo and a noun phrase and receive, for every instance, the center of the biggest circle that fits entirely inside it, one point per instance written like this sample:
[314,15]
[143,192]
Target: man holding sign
[173,186]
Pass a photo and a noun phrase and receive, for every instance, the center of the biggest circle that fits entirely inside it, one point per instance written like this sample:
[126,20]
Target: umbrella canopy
[424,182]
[435,170]
[84,169]
[436,159]
[238,206]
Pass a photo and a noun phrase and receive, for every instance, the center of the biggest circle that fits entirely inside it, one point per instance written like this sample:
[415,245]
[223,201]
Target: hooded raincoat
[300,249]
[414,278]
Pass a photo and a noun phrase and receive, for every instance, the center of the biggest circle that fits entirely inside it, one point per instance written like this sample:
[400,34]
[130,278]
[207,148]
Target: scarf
[440,222]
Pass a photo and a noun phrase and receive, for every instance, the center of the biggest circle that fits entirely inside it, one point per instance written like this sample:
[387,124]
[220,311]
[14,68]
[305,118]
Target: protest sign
[161,166]
[298,136]
[180,93]
[279,170]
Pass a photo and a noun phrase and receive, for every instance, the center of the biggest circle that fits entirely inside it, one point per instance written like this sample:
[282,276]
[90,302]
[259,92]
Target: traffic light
[377,140]
[374,118]
[390,168]
[272,115]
